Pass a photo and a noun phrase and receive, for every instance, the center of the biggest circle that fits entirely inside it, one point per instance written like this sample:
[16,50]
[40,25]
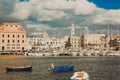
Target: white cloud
[36,9]
[21,11]
[78,6]
[84,7]
[38,27]
[49,15]
[49,10]
[42,27]
[110,16]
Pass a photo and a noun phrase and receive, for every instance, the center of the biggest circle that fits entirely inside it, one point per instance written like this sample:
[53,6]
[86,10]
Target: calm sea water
[99,68]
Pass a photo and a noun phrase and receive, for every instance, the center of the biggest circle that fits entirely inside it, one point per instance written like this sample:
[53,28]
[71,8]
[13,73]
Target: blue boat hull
[63,68]
[19,69]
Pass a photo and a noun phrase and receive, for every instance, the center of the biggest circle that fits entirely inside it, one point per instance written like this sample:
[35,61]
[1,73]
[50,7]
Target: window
[18,44]
[18,47]
[3,35]
[13,41]
[18,41]
[8,44]
[8,47]
[22,48]
[50,42]
[13,44]
[8,41]
[23,36]
[13,47]
[8,35]
[13,36]
[3,47]
[37,42]
[22,41]
[3,41]
[18,36]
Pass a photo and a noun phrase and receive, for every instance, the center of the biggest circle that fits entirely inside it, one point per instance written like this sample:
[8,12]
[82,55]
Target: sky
[56,16]
[107,4]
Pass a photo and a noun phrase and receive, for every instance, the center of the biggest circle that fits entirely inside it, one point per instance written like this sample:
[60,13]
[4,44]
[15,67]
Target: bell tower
[72,30]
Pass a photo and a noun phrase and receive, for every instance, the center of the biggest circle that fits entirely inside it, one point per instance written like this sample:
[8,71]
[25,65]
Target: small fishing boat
[19,68]
[80,76]
[62,68]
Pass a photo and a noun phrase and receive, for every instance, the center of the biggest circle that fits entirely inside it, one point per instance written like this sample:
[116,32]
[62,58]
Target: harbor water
[98,68]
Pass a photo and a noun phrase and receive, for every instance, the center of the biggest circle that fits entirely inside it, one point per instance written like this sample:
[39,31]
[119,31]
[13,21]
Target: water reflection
[99,68]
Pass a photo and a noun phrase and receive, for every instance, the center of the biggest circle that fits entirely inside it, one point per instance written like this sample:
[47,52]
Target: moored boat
[82,75]
[19,68]
[62,68]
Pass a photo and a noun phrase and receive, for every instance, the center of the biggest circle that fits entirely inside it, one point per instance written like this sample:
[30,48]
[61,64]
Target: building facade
[44,42]
[12,37]
[115,42]
[74,40]
[94,41]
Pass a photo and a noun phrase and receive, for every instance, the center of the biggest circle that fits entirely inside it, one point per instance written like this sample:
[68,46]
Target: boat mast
[108,30]
[80,40]
[117,30]
[108,33]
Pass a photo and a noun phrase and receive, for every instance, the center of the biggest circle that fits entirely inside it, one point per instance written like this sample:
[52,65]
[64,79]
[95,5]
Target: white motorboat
[35,53]
[47,53]
[55,53]
[73,53]
[82,75]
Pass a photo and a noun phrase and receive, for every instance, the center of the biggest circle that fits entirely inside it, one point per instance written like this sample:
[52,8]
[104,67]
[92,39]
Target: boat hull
[29,68]
[63,68]
[82,75]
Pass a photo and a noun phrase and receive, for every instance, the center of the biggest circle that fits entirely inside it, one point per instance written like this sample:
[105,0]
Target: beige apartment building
[115,42]
[95,41]
[74,40]
[12,37]
[42,41]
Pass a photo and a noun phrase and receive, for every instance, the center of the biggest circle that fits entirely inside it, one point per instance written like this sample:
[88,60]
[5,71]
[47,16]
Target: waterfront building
[38,40]
[74,40]
[44,42]
[28,45]
[115,42]
[94,41]
[12,37]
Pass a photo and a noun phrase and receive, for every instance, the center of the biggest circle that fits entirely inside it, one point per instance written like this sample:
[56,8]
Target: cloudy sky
[56,16]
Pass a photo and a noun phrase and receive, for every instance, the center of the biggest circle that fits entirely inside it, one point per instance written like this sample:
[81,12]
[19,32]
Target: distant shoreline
[11,56]
[22,56]
[75,56]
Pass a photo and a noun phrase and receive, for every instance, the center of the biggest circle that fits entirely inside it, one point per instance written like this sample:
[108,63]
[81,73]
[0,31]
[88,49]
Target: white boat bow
[82,75]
